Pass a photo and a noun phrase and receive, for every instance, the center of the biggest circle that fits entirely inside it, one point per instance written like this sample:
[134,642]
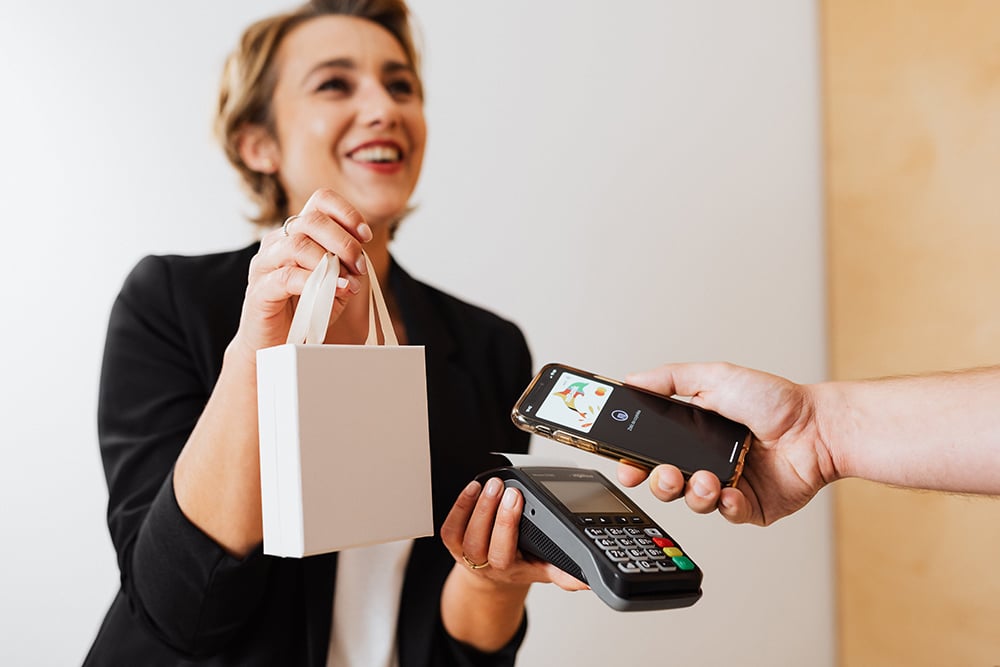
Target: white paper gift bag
[344,446]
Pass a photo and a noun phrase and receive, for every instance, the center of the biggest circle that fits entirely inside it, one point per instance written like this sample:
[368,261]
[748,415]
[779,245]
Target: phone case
[728,472]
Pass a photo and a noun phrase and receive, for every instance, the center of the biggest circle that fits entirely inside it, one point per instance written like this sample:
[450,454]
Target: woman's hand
[217,475]
[483,599]
[481,533]
[287,255]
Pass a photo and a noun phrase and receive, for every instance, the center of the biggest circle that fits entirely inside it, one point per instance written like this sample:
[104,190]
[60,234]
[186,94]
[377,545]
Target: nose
[377,108]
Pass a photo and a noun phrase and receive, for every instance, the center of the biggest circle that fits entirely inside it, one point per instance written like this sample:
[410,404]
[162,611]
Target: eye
[400,87]
[336,84]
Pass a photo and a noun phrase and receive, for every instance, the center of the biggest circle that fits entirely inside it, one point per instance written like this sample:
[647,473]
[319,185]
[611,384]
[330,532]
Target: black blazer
[183,600]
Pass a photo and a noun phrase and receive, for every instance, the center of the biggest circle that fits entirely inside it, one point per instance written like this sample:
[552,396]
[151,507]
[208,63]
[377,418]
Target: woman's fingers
[272,289]
[503,540]
[336,225]
[482,530]
[275,286]
[565,581]
[453,528]
[476,541]
[328,235]
[330,203]
[287,255]
[281,255]
[327,223]
[296,247]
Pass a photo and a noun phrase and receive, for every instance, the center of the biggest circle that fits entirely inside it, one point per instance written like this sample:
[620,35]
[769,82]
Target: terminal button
[683,562]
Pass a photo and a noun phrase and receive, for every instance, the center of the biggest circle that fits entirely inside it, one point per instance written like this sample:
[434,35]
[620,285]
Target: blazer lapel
[452,394]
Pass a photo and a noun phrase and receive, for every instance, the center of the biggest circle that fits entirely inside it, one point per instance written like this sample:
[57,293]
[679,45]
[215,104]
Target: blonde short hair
[249,78]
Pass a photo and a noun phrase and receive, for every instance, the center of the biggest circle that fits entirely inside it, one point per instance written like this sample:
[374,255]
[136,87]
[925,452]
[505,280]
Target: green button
[683,562]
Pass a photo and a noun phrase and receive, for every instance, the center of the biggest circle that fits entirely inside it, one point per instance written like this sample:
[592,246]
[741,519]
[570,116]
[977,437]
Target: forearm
[937,431]
[217,475]
[480,613]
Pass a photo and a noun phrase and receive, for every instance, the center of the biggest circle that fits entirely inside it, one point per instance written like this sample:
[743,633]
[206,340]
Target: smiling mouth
[377,154]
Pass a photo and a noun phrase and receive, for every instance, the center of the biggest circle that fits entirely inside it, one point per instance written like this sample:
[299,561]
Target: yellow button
[673,552]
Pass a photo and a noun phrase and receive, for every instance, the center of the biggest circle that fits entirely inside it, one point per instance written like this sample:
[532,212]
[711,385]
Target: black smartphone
[625,423]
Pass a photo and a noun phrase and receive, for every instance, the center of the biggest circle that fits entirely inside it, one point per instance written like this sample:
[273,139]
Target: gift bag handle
[312,313]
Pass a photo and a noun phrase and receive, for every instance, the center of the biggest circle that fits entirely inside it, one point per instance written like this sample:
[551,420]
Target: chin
[378,216]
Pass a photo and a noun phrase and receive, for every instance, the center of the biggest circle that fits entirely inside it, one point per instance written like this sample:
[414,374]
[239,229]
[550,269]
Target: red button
[662,542]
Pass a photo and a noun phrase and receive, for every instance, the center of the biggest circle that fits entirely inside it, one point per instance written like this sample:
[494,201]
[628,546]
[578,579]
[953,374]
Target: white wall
[631,182]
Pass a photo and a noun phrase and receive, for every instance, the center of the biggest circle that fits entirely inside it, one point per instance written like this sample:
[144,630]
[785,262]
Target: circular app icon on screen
[619,415]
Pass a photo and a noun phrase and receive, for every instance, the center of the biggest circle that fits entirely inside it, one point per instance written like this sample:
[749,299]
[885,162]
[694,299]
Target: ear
[258,149]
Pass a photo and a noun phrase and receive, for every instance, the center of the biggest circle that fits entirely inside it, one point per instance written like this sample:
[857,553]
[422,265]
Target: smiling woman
[247,98]
[320,116]
[321,112]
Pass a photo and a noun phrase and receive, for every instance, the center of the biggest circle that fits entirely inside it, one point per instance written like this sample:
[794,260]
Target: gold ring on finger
[475,566]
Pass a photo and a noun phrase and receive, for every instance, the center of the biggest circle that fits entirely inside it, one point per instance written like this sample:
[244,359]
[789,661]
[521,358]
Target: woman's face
[349,115]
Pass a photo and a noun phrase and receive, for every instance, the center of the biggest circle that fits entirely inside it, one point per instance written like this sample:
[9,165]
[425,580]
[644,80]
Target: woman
[321,111]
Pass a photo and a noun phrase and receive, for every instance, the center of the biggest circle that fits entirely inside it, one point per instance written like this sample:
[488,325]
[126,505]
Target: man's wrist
[831,415]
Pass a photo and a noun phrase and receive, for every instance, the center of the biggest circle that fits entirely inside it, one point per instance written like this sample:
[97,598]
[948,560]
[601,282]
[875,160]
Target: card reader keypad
[636,548]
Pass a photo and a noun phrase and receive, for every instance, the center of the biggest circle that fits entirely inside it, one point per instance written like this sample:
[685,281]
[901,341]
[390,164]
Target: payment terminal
[583,524]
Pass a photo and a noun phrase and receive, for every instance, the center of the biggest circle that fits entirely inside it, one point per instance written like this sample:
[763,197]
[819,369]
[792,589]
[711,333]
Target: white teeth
[376,154]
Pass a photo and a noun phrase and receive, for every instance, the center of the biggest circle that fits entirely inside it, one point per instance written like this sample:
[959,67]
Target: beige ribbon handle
[375,296]
[312,313]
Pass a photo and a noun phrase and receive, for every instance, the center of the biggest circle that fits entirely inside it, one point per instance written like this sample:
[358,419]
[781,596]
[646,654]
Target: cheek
[418,137]
[416,126]
[310,136]
[421,135]
[318,127]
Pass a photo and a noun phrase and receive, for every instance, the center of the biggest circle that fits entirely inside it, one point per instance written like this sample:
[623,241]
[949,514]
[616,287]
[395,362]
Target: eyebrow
[390,67]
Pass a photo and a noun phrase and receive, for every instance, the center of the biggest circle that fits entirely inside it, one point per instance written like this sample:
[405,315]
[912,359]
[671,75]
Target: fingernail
[351,283]
[664,485]
[362,265]
[471,489]
[509,499]
[633,378]
[701,490]
[726,502]
[365,232]
[493,487]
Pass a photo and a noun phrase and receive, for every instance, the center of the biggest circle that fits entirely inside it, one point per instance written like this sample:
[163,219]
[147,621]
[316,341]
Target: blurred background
[805,187]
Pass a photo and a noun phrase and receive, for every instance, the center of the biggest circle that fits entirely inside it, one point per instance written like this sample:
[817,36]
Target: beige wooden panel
[912,107]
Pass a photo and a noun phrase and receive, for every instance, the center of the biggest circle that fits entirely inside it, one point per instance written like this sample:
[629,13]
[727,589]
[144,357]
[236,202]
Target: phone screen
[574,401]
[633,421]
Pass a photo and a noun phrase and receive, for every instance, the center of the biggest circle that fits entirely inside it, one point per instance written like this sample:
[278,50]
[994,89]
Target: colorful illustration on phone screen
[575,402]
